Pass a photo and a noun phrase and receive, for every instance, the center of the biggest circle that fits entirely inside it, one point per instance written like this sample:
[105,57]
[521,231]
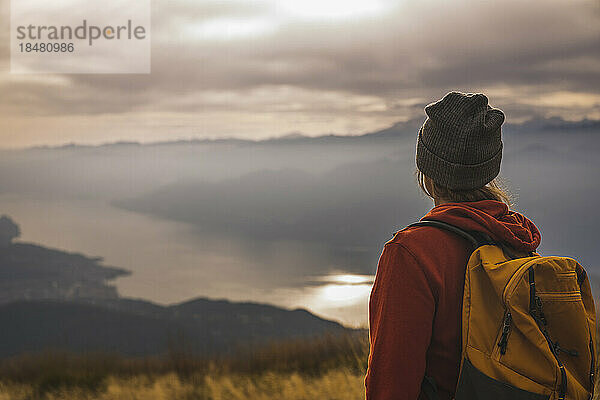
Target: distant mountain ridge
[556,124]
[140,328]
[399,128]
[32,272]
[50,299]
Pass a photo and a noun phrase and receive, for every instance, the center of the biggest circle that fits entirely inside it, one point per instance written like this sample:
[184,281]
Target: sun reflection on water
[345,288]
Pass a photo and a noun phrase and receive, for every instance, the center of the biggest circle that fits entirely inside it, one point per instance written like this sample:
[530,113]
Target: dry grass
[333,385]
[329,367]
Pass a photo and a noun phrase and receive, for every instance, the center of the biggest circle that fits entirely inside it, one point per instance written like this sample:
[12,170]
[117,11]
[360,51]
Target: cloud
[287,68]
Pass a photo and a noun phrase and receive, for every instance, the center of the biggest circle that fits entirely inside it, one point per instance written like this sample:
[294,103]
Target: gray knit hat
[459,145]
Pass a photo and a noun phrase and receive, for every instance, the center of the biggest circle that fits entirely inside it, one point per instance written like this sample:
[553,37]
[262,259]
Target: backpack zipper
[563,373]
[560,296]
[535,310]
[592,367]
[573,353]
[506,325]
[518,274]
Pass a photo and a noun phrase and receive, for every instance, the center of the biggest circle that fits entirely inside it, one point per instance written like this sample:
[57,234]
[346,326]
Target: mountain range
[50,299]
[262,219]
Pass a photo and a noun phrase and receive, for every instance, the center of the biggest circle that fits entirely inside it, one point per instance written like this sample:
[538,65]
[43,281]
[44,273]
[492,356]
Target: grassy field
[330,367]
[333,385]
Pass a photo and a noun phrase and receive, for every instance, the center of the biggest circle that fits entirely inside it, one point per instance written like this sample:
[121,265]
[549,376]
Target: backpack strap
[476,239]
[429,388]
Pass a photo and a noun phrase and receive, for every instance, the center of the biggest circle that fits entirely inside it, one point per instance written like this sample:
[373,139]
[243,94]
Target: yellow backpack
[528,325]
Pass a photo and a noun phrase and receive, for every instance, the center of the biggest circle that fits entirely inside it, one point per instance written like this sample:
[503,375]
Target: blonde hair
[494,190]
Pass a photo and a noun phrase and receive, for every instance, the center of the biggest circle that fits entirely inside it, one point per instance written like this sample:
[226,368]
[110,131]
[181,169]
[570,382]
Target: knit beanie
[459,145]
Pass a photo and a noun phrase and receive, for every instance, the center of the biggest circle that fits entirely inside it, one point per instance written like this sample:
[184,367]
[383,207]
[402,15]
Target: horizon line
[295,135]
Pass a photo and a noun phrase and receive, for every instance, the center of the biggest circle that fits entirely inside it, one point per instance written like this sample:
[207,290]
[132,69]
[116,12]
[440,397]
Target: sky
[257,69]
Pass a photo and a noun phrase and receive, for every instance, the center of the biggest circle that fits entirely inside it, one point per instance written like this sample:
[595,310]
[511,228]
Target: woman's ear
[429,185]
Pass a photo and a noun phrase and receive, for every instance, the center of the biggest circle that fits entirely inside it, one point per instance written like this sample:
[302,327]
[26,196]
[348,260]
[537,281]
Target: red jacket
[416,300]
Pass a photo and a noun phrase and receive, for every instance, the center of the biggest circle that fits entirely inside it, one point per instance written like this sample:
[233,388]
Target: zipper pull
[573,353]
[505,331]
[539,306]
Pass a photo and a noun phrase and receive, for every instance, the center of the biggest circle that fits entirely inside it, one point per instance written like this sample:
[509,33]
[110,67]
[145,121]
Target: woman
[416,301]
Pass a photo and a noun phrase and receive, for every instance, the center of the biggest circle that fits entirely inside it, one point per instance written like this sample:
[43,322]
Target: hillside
[51,299]
[29,271]
[201,326]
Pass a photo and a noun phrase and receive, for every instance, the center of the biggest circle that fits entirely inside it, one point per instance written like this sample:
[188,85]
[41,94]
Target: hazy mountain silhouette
[273,214]
[201,326]
[53,299]
[354,206]
[344,208]
[32,272]
[409,127]
[554,124]
[8,231]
